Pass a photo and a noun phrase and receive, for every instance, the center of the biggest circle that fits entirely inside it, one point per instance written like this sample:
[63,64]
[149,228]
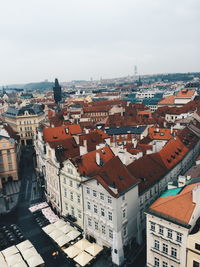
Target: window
[102,212]
[197,246]
[95,209]
[165,248]
[65,192]
[124,213]
[174,252]
[125,231]
[88,205]
[64,180]
[96,226]
[156,244]
[153,226]
[70,171]
[101,196]
[71,196]
[169,233]
[88,190]
[103,229]
[72,210]
[78,199]
[196,264]
[165,264]
[111,233]
[94,193]
[110,216]
[66,206]
[89,222]
[156,262]
[109,200]
[10,167]
[123,197]
[79,214]
[179,237]
[161,230]
[70,183]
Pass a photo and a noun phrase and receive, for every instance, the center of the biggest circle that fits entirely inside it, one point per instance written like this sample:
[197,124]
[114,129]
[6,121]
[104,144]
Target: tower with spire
[57,92]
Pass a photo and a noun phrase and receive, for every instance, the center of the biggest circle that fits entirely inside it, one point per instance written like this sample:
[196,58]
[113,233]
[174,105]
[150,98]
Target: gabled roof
[159,133]
[87,165]
[65,149]
[185,93]
[180,206]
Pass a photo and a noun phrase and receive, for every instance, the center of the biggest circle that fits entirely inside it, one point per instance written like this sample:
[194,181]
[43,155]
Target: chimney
[98,158]
[196,194]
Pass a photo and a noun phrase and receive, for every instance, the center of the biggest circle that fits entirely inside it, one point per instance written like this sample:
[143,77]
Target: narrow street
[23,217]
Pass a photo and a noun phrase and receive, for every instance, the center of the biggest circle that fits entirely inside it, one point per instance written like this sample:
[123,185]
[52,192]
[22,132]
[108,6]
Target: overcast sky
[79,39]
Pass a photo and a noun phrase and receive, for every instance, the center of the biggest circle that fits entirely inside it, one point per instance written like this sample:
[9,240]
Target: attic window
[162,134]
[169,160]
[55,137]
[103,151]
[177,153]
[179,149]
[173,156]
[121,177]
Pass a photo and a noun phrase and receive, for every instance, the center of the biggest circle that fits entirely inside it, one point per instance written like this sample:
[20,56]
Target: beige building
[8,158]
[24,121]
[193,250]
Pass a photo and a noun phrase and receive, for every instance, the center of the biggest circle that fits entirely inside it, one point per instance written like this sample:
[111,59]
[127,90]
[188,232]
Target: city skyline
[78,40]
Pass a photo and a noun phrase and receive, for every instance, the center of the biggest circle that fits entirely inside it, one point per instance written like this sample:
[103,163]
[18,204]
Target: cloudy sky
[79,39]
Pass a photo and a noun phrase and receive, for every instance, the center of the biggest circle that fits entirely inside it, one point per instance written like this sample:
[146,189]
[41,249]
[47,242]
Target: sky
[80,39]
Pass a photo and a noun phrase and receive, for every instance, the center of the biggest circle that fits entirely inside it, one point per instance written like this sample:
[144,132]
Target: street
[23,217]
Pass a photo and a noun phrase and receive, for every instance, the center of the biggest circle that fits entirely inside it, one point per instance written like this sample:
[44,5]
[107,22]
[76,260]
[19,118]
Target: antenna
[135,70]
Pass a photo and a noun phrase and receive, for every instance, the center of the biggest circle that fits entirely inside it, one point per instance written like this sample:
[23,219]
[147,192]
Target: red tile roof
[87,163]
[159,133]
[168,100]
[185,93]
[179,207]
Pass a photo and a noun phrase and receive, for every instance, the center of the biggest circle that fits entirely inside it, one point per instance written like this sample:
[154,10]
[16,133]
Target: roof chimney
[196,194]
[98,158]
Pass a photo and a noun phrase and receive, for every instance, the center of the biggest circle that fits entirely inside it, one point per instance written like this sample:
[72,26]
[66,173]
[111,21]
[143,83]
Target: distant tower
[57,92]
[135,70]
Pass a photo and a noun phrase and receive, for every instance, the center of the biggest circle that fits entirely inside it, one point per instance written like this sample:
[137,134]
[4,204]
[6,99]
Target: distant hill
[40,86]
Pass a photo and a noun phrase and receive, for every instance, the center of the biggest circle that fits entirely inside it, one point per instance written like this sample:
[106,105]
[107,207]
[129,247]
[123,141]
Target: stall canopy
[72,251]
[62,240]
[14,259]
[10,251]
[73,234]
[60,223]
[49,228]
[20,264]
[35,261]
[94,249]
[82,244]
[83,258]
[66,228]
[24,245]
[38,206]
[55,234]
[29,253]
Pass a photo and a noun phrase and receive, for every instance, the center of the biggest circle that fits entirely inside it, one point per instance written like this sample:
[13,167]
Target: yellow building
[9,152]
[193,250]
[24,121]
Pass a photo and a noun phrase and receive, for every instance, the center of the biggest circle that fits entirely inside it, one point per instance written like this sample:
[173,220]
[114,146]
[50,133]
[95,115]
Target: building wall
[8,160]
[71,192]
[167,243]
[193,252]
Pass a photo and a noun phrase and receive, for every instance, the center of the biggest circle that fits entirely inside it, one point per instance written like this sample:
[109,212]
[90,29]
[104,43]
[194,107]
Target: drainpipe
[59,170]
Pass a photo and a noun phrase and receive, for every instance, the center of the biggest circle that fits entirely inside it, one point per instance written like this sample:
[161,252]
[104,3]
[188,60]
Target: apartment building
[170,219]
[24,121]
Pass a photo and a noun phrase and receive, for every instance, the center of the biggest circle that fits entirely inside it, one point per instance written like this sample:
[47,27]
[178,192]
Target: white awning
[72,251]
[35,261]
[10,251]
[59,223]
[14,259]
[29,253]
[83,258]
[55,234]
[94,249]
[24,245]
[62,240]
[49,228]
[66,228]
[19,264]
[73,234]
[83,244]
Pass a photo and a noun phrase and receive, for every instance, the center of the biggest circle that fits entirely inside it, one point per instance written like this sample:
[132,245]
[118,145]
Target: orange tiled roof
[179,206]
[159,133]
[185,93]
[168,100]
[87,163]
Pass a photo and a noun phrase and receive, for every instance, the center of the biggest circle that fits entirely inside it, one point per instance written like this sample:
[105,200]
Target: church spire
[57,92]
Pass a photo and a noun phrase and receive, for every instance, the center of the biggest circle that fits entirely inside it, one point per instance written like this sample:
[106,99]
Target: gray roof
[33,109]
[126,130]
